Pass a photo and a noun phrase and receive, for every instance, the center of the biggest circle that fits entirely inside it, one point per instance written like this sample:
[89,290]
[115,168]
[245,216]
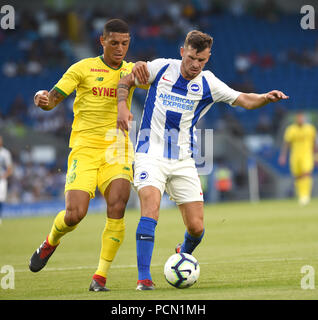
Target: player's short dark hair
[198,40]
[115,25]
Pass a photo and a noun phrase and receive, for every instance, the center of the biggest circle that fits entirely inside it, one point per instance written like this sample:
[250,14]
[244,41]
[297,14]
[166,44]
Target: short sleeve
[154,67]
[220,91]
[70,80]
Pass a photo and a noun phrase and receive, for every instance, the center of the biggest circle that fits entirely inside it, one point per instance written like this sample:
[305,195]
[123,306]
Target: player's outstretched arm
[47,100]
[124,116]
[252,101]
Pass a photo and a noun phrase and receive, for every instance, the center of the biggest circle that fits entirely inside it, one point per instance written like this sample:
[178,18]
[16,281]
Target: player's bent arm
[48,100]
[124,116]
[252,101]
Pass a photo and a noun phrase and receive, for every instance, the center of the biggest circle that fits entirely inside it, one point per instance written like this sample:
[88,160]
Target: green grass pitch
[250,251]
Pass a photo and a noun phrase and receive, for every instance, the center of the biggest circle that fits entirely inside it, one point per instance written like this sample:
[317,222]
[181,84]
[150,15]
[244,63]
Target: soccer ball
[182,270]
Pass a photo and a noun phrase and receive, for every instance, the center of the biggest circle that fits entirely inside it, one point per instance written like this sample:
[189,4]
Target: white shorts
[179,178]
[3,189]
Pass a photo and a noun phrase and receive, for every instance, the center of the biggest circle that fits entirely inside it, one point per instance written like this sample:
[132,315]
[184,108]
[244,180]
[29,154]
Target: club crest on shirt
[123,73]
[143,176]
[194,87]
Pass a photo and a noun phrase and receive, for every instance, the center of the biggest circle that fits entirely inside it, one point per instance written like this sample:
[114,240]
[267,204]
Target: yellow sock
[59,229]
[112,238]
[305,187]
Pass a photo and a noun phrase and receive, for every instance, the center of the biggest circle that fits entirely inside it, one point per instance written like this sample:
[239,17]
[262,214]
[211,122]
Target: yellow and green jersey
[95,105]
[301,139]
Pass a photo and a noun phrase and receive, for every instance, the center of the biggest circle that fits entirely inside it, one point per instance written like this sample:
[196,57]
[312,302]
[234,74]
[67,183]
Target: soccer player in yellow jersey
[300,138]
[99,156]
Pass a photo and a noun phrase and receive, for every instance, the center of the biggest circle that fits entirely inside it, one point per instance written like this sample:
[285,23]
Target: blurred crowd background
[258,46]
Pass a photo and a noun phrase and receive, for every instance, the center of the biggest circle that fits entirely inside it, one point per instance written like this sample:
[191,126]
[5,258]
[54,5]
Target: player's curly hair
[198,40]
[115,25]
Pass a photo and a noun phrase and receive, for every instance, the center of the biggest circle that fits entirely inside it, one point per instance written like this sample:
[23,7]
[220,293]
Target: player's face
[300,119]
[115,47]
[193,62]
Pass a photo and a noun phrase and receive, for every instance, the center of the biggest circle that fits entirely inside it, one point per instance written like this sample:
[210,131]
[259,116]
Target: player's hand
[41,98]
[124,118]
[140,71]
[282,160]
[275,95]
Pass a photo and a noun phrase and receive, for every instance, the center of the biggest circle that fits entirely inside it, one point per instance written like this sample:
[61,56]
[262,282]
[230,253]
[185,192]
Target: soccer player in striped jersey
[180,94]
[99,157]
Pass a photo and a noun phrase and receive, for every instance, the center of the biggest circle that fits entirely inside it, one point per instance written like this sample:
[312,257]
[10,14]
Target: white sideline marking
[160,265]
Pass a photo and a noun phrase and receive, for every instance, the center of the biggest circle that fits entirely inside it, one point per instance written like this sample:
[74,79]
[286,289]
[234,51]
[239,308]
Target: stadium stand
[267,50]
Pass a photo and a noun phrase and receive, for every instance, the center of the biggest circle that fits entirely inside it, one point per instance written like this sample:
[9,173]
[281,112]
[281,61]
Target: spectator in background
[264,125]
[223,181]
[10,69]
[17,110]
[242,63]
[267,61]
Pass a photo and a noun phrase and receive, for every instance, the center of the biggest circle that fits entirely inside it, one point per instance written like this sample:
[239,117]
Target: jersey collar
[102,58]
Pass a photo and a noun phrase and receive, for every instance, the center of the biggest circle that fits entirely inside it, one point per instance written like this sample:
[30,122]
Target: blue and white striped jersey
[5,160]
[173,107]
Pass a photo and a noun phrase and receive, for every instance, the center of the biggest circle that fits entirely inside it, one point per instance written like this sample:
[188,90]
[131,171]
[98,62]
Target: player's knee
[149,205]
[116,208]
[74,214]
[150,209]
[196,229]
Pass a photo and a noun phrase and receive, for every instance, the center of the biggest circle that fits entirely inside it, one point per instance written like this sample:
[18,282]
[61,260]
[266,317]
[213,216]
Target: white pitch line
[160,265]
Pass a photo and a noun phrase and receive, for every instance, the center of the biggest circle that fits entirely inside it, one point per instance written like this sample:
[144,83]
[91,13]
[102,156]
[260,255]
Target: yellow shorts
[301,165]
[89,168]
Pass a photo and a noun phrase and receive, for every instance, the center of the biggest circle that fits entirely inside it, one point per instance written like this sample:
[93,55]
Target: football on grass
[182,270]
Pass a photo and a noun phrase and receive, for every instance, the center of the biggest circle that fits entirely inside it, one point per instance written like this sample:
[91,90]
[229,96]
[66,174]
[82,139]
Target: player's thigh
[184,185]
[193,217]
[83,164]
[149,171]
[107,173]
[295,168]
[306,165]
